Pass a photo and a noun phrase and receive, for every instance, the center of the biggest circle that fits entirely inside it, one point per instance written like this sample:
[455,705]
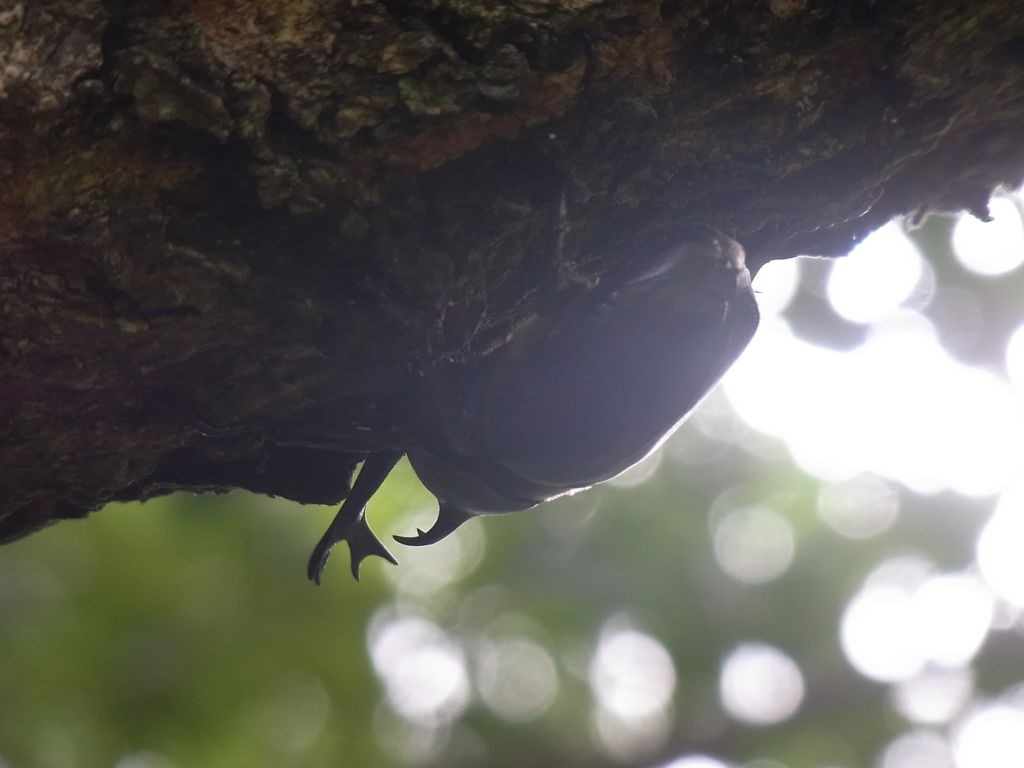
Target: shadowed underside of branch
[237,237]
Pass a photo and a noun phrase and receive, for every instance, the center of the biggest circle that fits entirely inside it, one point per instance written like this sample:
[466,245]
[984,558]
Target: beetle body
[578,396]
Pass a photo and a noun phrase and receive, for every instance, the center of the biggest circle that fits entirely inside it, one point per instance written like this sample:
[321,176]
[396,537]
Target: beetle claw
[448,519]
[361,544]
[350,523]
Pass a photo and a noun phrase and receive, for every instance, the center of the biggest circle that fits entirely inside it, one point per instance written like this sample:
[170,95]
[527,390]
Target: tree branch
[237,235]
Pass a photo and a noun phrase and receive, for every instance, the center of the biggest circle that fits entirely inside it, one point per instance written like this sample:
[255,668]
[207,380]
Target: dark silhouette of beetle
[576,397]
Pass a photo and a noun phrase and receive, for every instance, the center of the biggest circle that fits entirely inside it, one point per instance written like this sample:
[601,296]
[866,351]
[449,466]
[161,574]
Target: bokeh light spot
[999,547]
[903,618]
[423,669]
[760,685]
[934,696]
[631,674]
[775,285]
[753,544]
[629,738]
[994,247]
[952,614]
[992,736]
[516,677]
[695,761]
[428,570]
[1015,358]
[878,275]
[858,508]
[145,759]
[917,749]
[876,632]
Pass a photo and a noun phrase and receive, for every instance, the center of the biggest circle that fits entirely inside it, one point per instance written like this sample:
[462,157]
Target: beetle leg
[350,522]
[448,519]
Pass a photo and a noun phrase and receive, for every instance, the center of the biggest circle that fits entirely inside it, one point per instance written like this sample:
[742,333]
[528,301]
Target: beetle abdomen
[579,397]
[576,416]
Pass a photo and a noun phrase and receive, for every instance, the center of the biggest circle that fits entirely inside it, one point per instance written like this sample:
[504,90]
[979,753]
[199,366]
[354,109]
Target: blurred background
[824,568]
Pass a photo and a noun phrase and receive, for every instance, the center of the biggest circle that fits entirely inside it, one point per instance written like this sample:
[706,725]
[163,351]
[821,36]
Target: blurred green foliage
[185,627]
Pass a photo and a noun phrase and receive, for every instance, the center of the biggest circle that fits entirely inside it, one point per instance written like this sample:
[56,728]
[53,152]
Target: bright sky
[901,409]
[898,406]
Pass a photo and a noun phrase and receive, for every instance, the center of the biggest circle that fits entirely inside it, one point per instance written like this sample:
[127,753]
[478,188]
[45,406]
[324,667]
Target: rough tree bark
[236,234]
